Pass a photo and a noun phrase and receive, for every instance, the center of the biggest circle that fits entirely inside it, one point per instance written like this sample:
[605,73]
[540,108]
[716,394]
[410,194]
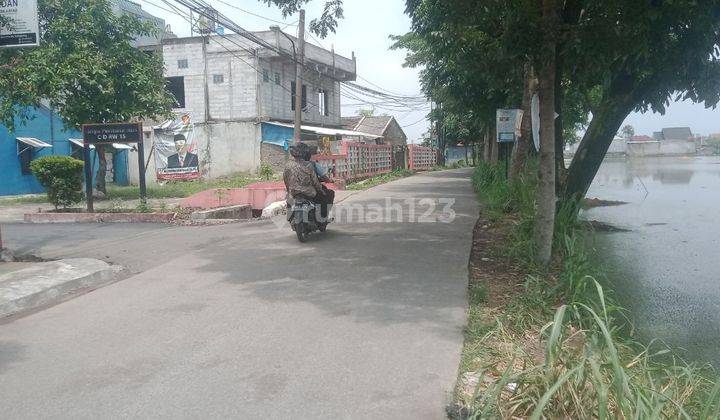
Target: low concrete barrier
[242,211]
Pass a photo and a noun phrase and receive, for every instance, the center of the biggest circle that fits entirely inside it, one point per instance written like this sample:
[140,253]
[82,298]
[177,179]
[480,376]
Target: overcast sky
[365,30]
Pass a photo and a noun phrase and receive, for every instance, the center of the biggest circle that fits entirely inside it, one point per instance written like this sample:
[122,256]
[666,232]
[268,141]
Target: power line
[253,14]
[415,123]
[388,102]
[251,52]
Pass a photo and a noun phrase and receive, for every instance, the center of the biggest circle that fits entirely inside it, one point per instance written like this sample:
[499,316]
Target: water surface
[666,270]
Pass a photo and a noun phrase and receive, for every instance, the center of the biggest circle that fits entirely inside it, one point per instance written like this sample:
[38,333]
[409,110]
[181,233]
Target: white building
[235,89]
[145,42]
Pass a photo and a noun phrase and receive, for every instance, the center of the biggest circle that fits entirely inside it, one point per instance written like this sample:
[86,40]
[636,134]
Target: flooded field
[666,269]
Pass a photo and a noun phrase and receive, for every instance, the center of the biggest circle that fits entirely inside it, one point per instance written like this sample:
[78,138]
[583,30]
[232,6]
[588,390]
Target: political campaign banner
[19,23]
[176,155]
[508,124]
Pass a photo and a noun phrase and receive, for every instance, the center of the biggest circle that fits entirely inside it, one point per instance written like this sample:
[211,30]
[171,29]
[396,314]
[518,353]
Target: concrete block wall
[275,100]
[228,147]
[223,148]
[193,75]
[275,156]
[233,97]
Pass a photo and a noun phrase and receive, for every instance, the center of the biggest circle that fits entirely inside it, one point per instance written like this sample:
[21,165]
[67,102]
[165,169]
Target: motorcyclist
[302,181]
[300,178]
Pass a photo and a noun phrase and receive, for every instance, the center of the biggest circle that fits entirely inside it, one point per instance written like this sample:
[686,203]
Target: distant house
[641,138]
[674,133]
[673,141]
[381,125]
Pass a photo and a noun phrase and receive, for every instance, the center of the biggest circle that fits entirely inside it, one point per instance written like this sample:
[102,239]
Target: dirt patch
[590,203]
[499,276]
[598,226]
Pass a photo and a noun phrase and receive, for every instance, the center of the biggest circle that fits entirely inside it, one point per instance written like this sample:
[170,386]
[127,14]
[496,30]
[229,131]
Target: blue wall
[48,127]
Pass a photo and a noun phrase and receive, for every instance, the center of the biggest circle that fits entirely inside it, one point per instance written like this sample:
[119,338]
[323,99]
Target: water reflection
[666,268]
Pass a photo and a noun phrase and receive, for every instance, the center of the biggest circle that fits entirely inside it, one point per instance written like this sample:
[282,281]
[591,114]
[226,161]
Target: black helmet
[301,151]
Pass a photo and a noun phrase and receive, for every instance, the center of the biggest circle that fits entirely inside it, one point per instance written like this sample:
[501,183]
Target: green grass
[25,199]
[181,189]
[172,189]
[380,179]
[561,348]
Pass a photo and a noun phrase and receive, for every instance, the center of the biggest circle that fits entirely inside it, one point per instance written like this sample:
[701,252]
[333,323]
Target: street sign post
[100,134]
[23,26]
[508,130]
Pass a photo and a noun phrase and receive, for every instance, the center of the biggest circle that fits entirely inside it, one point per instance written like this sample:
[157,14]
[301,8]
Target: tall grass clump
[561,347]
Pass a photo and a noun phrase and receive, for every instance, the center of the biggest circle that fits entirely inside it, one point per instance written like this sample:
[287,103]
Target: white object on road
[274,209]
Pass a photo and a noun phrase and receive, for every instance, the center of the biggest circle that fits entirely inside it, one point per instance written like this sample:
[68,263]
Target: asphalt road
[242,321]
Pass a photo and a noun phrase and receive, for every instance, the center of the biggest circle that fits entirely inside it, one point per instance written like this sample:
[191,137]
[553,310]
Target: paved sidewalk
[28,286]
[16,212]
[242,321]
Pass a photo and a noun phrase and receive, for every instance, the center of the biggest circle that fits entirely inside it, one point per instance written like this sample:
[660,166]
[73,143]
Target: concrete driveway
[242,321]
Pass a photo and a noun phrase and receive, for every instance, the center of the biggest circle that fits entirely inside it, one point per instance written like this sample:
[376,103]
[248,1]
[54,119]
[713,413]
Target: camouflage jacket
[301,179]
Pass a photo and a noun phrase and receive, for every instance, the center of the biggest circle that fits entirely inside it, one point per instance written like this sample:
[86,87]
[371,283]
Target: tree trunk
[519,157]
[487,149]
[493,144]
[560,170]
[102,168]
[545,194]
[595,143]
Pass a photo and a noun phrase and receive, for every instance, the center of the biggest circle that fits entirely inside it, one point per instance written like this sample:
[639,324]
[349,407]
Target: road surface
[242,321]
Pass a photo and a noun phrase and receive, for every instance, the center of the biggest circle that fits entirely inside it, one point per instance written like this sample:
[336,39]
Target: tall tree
[545,194]
[639,55]
[628,131]
[86,68]
[323,25]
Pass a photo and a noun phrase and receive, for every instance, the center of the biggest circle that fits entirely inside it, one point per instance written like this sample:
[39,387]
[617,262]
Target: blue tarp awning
[277,135]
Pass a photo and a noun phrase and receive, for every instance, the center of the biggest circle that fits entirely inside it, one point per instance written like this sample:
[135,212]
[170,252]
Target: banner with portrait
[176,151]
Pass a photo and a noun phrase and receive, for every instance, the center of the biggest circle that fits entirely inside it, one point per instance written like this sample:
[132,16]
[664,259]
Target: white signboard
[508,124]
[535,118]
[22,28]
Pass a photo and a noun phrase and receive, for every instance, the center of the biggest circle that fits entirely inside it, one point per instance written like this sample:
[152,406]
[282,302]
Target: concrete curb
[99,217]
[51,282]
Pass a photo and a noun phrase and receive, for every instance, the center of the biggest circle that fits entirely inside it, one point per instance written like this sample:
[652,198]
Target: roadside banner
[508,125]
[22,28]
[175,148]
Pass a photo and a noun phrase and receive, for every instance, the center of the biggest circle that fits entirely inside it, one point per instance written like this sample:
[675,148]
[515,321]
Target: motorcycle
[303,219]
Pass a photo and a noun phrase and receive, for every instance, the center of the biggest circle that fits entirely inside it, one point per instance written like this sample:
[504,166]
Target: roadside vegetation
[554,343]
[177,189]
[181,189]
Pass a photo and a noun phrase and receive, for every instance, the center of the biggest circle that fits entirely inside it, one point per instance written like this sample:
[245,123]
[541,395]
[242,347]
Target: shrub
[62,178]
[265,171]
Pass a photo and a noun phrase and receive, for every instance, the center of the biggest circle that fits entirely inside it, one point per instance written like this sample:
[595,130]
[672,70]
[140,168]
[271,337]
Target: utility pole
[299,59]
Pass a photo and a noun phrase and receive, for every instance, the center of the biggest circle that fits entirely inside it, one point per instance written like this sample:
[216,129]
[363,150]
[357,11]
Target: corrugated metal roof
[32,141]
[326,131]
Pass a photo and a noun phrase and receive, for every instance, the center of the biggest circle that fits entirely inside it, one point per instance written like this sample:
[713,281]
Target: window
[176,87]
[266,75]
[323,108]
[292,96]
[76,151]
[277,78]
[183,64]
[218,79]
[26,156]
